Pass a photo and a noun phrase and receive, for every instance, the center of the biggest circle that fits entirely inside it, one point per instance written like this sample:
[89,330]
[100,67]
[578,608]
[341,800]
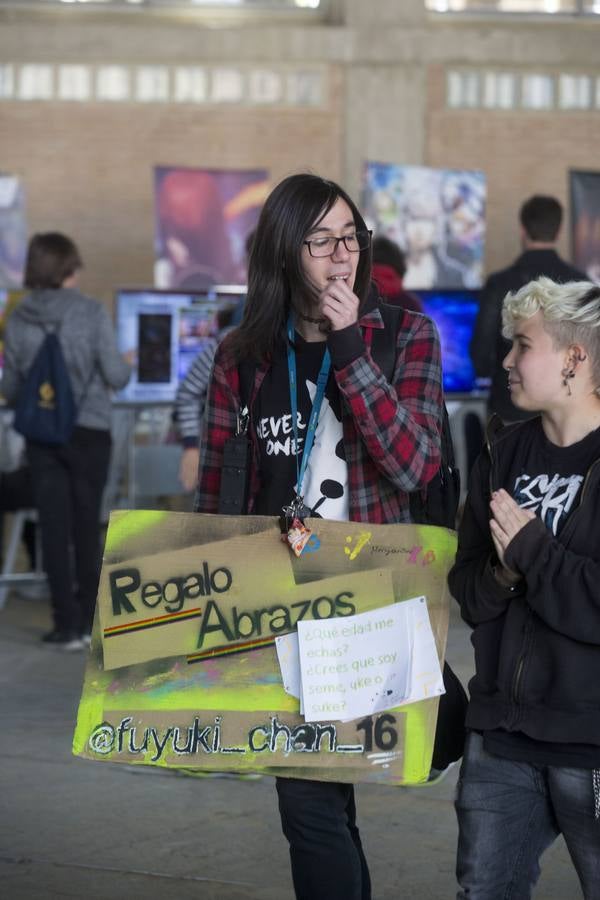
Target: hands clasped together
[507,520]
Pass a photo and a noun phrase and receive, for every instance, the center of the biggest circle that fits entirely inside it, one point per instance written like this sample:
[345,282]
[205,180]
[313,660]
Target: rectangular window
[537,92]
[74,83]
[247,7]
[462,89]
[152,84]
[305,88]
[499,90]
[112,83]
[7,81]
[512,7]
[36,82]
[227,86]
[265,86]
[190,85]
[574,92]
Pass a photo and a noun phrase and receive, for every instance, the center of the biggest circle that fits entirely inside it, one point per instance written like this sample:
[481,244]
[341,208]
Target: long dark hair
[275,274]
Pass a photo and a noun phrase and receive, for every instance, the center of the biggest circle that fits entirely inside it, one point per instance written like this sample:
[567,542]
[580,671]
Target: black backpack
[45,411]
[437,504]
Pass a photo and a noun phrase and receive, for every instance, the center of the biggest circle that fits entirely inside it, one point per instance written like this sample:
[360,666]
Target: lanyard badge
[296,532]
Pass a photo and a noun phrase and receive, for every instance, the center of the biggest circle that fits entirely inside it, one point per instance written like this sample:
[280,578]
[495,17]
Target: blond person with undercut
[527,578]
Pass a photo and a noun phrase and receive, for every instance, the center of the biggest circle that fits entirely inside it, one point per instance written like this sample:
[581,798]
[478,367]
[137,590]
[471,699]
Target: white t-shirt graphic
[550,497]
[325,485]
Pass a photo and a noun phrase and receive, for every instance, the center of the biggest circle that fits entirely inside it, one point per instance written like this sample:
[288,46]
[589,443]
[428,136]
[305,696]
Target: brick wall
[521,153]
[87,168]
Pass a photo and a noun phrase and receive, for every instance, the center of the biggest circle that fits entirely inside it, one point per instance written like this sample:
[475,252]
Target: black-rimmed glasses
[327,246]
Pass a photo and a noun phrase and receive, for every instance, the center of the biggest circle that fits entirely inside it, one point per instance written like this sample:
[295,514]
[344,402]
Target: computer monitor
[162,332]
[454,312]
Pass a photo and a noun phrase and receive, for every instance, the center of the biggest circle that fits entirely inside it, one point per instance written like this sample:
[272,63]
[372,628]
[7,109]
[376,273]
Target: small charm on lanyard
[298,536]
[296,533]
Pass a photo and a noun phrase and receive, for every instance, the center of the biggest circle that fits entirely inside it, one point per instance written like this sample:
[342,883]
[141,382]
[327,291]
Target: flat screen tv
[162,332]
[454,312]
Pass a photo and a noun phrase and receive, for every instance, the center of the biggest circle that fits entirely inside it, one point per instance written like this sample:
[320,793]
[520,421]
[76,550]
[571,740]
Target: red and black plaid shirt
[391,429]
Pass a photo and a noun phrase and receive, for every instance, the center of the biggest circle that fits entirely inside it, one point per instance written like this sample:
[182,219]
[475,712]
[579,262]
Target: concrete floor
[73,828]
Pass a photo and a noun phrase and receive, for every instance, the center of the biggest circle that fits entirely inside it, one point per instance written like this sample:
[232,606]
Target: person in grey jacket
[68,479]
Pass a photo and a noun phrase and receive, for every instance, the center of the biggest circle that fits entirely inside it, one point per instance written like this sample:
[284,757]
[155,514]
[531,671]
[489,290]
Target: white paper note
[426,678]
[358,665]
[289,664]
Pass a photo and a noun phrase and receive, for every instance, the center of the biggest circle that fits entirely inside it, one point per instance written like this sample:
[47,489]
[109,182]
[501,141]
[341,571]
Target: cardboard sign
[183,668]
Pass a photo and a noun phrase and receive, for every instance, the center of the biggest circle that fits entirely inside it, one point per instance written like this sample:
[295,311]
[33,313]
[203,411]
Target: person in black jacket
[540,219]
[527,578]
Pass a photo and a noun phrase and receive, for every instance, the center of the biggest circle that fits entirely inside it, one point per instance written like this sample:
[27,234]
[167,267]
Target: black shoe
[66,640]
[56,636]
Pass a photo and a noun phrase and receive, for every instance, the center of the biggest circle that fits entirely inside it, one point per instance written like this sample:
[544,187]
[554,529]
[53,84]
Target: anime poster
[13,232]
[8,302]
[202,220]
[437,217]
[215,647]
[585,222]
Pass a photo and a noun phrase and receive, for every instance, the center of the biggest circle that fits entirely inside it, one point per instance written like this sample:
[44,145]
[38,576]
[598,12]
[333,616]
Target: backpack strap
[382,342]
[237,452]
[56,330]
[247,374]
[54,327]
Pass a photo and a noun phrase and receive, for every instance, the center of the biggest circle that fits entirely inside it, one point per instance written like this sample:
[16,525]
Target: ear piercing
[567,374]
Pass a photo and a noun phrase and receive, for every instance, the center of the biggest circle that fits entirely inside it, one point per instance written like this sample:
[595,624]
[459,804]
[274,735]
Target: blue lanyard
[316,407]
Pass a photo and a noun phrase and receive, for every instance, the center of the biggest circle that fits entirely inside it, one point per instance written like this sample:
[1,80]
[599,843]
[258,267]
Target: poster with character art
[585,222]
[13,232]
[203,218]
[436,216]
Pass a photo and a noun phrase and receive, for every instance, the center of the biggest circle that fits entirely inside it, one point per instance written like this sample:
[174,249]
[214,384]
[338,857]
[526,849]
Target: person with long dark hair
[344,417]
[68,479]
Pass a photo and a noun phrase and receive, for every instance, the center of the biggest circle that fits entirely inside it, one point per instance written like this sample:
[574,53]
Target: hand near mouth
[339,304]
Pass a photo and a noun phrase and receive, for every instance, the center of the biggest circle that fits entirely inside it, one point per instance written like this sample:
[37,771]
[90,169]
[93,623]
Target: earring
[567,375]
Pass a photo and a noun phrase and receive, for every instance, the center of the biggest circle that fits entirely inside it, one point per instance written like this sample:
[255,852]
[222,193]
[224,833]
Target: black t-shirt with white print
[547,479]
[325,484]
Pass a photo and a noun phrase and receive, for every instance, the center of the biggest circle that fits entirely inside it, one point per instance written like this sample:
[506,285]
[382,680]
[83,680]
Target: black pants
[68,482]
[319,821]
